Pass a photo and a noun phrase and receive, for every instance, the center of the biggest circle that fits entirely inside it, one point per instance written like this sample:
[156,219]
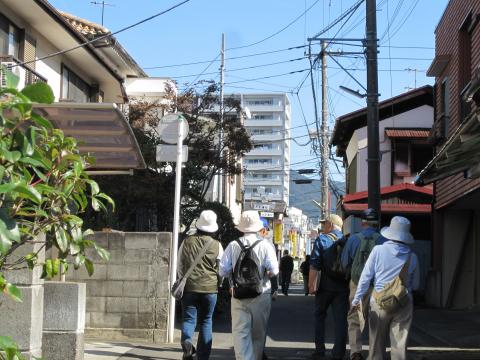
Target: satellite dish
[168,128]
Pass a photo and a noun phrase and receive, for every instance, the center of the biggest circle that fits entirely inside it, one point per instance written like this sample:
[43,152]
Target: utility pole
[324,135]
[222,80]
[374,200]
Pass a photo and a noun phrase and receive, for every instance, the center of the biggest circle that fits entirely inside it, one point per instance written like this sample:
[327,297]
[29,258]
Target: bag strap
[332,236]
[404,272]
[199,257]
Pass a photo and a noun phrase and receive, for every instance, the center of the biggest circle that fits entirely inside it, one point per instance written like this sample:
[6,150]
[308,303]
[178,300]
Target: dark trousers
[286,277]
[339,302]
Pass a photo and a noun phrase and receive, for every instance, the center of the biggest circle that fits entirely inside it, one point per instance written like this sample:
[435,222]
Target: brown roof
[407,133]
[85,27]
[345,125]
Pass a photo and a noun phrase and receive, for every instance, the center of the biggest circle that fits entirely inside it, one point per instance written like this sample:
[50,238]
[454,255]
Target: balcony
[270,166]
[258,138]
[257,196]
[263,182]
[265,152]
[263,123]
[27,76]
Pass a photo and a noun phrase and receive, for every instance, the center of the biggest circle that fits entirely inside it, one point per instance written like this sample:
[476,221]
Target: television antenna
[102,4]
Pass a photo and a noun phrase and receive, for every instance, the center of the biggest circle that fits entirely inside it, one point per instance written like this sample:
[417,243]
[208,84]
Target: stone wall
[127,298]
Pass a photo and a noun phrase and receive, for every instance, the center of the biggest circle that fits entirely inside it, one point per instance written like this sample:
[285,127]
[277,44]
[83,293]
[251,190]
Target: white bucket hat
[399,230]
[207,221]
[250,222]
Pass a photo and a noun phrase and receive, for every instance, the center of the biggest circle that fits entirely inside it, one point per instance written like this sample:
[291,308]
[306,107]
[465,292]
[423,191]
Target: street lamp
[356,93]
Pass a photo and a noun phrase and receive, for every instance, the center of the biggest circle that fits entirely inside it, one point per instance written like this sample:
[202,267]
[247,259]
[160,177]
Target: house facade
[404,127]
[88,82]
[454,171]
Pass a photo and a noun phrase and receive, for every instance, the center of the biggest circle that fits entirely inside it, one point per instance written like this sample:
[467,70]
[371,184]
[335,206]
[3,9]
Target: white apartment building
[266,167]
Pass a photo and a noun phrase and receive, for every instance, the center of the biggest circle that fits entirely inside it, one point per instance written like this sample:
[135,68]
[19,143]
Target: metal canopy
[460,153]
[101,130]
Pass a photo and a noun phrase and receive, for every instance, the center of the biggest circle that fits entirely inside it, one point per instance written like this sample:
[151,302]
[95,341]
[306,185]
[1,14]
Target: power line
[243,68]
[268,77]
[204,70]
[104,36]
[279,31]
[339,19]
[230,58]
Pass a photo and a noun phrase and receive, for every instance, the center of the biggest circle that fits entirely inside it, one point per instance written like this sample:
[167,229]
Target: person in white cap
[332,288]
[249,263]
[393,268]
[201,288]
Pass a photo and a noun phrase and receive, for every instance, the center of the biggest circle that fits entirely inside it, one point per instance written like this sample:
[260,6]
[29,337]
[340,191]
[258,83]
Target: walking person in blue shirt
[332,289]
[354,257]
[387,262]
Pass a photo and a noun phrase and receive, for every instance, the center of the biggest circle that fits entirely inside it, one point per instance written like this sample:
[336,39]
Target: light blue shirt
[384,264]
[264,250]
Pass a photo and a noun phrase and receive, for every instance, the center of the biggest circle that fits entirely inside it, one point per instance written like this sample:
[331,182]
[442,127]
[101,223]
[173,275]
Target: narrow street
[290,337]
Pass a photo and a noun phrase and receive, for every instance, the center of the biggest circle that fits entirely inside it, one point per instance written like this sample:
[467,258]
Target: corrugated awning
[460,153]
[102,131]
[407,133]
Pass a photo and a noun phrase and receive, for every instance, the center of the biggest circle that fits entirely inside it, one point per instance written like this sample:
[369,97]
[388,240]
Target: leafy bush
[43,189]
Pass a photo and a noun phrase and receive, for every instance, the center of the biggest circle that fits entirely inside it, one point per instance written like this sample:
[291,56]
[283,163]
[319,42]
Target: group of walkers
[368,276]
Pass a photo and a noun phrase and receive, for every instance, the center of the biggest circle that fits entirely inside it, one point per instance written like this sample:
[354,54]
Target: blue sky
[192,33]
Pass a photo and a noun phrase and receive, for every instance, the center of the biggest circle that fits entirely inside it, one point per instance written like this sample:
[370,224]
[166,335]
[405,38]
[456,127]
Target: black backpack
[247,279]
[335,270]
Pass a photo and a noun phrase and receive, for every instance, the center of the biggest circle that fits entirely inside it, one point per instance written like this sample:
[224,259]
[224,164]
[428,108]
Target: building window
[74,88]
[10,38]
[267,116]
[465,60]
[445,104]
[402,159]
[263,146]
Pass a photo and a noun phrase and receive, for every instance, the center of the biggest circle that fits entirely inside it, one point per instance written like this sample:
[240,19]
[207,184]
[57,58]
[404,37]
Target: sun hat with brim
[399,230]
[207,221]
[333,219]
[250,222]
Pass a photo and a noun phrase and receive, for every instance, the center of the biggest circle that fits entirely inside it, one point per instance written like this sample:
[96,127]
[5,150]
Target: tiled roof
[407,133]
[85,27]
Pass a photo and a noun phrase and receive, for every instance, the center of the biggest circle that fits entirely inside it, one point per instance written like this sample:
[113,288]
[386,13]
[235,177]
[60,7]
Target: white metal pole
[176,225]
[222,74]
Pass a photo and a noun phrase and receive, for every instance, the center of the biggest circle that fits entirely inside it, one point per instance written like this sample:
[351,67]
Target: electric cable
[277,32]
[104,36]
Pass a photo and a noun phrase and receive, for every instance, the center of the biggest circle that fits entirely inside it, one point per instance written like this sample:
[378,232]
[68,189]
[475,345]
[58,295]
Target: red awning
[392,208]
[388,190]
[407,133]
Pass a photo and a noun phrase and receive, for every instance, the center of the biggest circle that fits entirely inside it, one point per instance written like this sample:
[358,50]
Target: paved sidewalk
[436,335]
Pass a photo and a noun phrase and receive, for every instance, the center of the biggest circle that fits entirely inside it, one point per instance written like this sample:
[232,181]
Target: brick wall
[127,298]
[447,43]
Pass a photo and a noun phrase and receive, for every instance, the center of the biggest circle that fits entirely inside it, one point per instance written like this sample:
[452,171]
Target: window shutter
[30,51]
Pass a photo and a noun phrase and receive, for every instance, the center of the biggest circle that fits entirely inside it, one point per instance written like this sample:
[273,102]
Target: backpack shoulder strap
[332,236]
[240,244]
[255,244]
[404,272]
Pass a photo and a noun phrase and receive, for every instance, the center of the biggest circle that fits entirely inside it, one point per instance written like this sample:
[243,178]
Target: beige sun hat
[250,222]
[333,219]
[207,221]
[399,230]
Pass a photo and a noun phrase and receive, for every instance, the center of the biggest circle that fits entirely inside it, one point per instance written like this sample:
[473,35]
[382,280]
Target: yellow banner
[278,233]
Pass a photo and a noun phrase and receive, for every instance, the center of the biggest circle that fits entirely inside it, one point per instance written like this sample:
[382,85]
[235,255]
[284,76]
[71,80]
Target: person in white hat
[387,262]
[250,305]
[201,288]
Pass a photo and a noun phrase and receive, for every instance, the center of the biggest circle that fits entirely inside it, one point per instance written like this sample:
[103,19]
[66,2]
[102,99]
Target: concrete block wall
[127,298]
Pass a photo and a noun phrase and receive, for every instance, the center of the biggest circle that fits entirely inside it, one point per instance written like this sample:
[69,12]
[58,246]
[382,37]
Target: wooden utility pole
[222,80]
[374,200]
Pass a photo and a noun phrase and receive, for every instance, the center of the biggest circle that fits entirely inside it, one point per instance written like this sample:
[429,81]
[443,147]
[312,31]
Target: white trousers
[249,326]
[383,324]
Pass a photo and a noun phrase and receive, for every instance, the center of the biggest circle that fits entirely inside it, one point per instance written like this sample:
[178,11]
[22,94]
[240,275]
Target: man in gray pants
[250,315]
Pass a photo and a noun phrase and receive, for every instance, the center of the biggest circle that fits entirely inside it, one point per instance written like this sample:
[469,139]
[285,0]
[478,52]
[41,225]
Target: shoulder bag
[179,285]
